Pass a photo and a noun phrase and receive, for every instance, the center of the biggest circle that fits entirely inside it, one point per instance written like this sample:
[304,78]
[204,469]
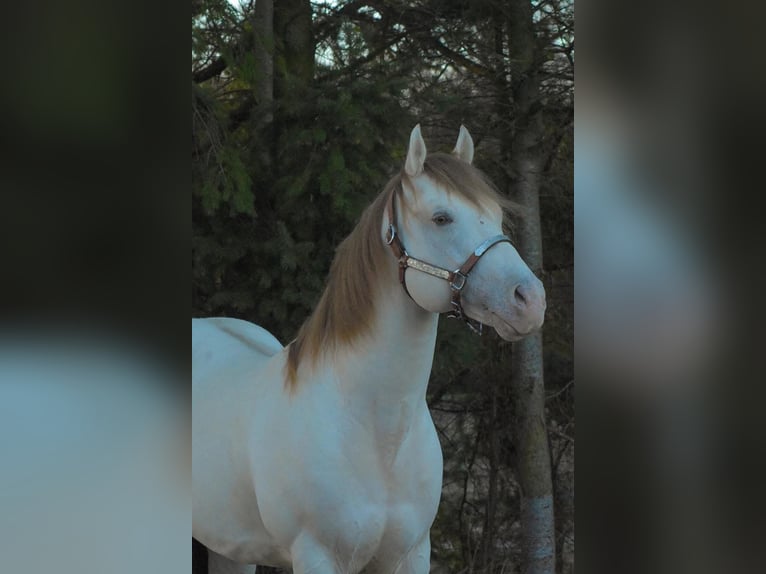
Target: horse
[322,457]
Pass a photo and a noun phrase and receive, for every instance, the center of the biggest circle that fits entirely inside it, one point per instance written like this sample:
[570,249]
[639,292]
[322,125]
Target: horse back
[220,341]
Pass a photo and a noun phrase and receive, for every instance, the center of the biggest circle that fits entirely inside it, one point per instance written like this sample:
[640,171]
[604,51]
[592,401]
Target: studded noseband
[456,279]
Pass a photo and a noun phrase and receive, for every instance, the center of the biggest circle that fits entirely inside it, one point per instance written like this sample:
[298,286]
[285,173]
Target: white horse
[322,456]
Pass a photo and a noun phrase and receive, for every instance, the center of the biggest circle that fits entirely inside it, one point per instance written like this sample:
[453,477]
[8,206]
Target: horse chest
[403,485]
[375,496]
[374,527]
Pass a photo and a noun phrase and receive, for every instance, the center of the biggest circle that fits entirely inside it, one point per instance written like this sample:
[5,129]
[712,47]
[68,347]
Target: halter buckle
[456,285]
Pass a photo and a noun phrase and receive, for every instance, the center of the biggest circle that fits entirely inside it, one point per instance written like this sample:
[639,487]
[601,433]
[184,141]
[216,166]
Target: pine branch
[210,71]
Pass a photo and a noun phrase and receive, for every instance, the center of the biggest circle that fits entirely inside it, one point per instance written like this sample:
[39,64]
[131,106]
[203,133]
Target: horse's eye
[441,219]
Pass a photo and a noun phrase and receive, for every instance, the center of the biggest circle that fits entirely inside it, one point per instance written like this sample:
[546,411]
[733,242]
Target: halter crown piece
[457,279]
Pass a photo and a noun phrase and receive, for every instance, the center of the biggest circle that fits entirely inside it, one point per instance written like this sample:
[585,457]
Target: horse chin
[503,327]
[507,332]
[506,329]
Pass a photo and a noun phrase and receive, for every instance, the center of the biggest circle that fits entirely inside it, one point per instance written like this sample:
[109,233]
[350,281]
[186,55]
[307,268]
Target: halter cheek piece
[457,279]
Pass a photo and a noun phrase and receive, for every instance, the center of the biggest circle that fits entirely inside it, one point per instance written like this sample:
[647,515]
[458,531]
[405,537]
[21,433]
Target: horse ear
[416,154]
[464,146]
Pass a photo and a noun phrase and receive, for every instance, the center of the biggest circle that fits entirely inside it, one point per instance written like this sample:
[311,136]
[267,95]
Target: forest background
[301,112]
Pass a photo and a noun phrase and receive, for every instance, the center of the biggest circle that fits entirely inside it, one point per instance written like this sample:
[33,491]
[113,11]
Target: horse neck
[392,364]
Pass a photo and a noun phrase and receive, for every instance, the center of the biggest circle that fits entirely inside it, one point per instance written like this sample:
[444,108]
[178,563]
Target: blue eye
[441,219]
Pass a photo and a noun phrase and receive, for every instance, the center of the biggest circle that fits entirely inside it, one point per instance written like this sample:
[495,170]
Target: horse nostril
[521,298]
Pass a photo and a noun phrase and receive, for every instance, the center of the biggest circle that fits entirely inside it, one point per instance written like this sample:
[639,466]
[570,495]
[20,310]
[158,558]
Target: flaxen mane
[346,309]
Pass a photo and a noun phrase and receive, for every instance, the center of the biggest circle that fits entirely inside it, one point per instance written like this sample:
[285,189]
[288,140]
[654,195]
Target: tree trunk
[294,59]
[293,70]
[531,438]
[263,90]
[263,52]
[488,534]
[526,162]
[534,472]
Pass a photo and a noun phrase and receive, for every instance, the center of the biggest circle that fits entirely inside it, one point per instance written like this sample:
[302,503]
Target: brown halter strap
[457,279]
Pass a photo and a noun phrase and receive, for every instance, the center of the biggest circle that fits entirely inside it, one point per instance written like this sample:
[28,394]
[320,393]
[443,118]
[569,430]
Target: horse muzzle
[524,312]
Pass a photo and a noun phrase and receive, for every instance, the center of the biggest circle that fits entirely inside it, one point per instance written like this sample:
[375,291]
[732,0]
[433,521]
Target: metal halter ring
[456,312]
[391,233]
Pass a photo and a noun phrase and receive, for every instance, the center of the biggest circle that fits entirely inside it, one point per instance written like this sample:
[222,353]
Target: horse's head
[447,210]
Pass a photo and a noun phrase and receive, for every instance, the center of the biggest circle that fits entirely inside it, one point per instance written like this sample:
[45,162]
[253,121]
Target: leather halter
[457,279]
